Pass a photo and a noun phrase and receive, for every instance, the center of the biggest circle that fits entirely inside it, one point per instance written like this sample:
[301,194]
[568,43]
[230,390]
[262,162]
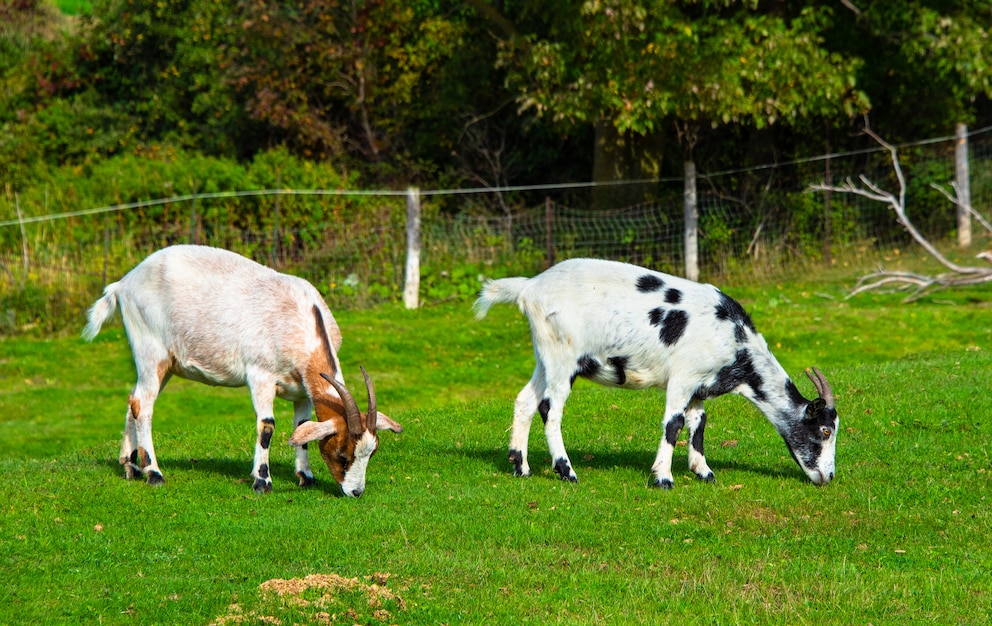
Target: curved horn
[822,386]
[371,416]
[352,415]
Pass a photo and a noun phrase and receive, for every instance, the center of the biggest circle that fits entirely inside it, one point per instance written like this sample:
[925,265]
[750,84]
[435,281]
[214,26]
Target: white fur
[592,309]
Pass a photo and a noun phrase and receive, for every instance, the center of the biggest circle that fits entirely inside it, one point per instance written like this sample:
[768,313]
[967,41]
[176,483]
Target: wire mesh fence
[755,226]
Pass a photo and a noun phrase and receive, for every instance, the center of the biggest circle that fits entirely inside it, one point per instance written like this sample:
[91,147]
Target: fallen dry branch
[958,275]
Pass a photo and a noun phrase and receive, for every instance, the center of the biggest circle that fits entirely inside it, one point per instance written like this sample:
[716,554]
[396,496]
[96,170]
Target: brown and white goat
[216,317]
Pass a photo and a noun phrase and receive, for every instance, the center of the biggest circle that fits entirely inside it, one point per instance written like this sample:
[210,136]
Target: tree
[637,68]
[930,61]
[337,79]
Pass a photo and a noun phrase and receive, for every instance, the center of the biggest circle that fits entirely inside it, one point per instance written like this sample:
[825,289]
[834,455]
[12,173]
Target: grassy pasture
[445,534]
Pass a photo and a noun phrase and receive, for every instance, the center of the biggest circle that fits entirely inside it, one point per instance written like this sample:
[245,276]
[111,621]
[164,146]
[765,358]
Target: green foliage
[447,535]
[637,65]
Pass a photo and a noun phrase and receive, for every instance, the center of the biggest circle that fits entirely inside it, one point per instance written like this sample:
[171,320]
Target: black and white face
[813,442]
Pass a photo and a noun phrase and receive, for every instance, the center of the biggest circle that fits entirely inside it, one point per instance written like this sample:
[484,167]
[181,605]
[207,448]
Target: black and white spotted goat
[622,325]
[216,317]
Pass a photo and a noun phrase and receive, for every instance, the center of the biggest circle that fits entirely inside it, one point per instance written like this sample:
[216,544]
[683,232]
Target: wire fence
[755,226]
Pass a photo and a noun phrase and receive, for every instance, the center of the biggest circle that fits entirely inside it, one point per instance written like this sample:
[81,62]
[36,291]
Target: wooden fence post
[411,288]
[961,180]
[691,223]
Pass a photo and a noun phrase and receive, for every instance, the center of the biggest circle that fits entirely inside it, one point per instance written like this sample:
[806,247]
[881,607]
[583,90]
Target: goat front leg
[302,411]
[676,405]
[695,420]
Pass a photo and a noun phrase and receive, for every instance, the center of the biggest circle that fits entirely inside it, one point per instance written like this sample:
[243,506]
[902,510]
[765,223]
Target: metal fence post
[411,288]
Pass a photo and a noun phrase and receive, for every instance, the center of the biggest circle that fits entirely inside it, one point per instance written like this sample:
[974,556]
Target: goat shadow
[237,470]
[588,458]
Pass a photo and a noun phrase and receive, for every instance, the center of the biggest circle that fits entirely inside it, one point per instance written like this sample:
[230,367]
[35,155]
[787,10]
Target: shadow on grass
[582,458]
[238,471]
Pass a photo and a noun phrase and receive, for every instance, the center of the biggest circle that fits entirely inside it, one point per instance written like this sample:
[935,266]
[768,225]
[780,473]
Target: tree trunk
[621,164]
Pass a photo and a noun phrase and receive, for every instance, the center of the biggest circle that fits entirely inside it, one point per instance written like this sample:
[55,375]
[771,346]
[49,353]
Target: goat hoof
[155,479]
[262,486]
[708,478]
[565,471]
[305,480]
[663,483]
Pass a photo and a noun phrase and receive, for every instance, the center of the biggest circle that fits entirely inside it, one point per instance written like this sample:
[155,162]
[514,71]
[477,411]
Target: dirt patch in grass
[320,599]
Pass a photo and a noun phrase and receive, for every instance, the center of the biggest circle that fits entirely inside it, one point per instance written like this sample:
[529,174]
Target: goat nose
[357,492]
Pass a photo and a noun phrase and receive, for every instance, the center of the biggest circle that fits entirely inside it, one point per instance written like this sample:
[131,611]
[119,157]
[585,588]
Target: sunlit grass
[899,536]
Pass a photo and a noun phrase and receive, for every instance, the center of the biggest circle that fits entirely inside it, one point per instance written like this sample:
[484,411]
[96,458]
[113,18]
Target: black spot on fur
[517,460]
[564,470]
[673,296]
[588,367]
[672,324]
[265,437]
[697,435]
[648,283]
[740,372]
[543,409]
[793,393]
[730,310]
[673,327]
[619,364]
[672,429]
[263,470]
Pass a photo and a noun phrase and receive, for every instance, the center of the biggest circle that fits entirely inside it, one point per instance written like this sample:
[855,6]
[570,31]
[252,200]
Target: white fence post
[961,181]
[691,223]
[411,288]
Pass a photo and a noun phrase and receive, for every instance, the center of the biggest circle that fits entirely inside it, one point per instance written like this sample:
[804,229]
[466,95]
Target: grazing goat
[625,326]
[215,317]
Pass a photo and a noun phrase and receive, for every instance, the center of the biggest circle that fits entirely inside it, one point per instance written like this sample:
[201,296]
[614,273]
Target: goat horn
[352,415]
[822,386]
[371,416]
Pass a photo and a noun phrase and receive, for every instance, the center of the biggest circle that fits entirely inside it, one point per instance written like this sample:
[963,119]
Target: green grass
[901,535]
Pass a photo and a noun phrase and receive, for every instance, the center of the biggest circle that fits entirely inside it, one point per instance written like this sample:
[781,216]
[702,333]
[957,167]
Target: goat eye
[826,431]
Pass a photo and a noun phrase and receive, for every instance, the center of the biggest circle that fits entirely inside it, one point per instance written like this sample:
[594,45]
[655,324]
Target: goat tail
[101,311]
[502,291]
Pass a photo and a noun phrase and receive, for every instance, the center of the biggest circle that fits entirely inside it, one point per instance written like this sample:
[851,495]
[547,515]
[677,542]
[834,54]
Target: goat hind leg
[129,442]
[137,450]
[552,408]
[523,414]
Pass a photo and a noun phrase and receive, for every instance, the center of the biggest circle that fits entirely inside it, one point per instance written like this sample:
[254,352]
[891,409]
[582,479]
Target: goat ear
[384,422]
[312,431]
[813,408]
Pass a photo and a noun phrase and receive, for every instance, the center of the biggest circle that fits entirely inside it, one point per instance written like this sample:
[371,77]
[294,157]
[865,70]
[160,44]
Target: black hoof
[565,471]
[709,478]
[155,479]
[305,480]
[262,486]
[663,483]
